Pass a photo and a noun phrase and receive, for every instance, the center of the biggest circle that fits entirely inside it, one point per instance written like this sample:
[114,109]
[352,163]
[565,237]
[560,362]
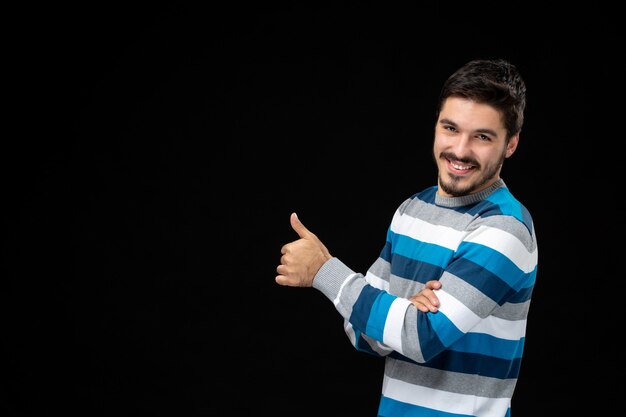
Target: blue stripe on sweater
[408,268]
[430,343]
[509,206]
[524,294]
[369,313]
[470,363]
[506,203]
[488,345]
[427,195]
[446,331]
[421,251]
[362,345]
[378,315]
[483,280]
[385,253]
[390,408]
[496,263]
[419,271]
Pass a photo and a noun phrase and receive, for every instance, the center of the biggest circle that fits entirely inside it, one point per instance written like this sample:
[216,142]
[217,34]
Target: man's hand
[302,258]
[426,300]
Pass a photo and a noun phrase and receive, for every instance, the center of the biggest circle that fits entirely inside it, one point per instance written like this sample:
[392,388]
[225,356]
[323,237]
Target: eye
[484,137]
[450,128]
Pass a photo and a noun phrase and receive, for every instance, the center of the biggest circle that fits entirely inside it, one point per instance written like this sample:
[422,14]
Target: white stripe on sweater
[377,282]
[514,249]
[450,238]
[501,328]
[449,402]
[465,320]
[392,335]
[426,232]
[462,317]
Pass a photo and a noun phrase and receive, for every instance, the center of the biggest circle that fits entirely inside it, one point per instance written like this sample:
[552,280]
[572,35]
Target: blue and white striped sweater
[464,359]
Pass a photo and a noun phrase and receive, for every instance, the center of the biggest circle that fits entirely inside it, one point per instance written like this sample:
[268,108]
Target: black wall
[160,151]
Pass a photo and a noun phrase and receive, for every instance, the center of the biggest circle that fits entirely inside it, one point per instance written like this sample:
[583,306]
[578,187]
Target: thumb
[297,225]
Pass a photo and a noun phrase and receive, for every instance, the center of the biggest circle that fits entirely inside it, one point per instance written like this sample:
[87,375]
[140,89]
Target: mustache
[453,157]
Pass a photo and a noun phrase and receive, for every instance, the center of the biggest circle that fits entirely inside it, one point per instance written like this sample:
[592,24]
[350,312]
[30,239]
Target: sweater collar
[466,200]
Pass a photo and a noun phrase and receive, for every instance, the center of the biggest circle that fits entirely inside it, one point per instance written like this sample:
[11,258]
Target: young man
[447,300]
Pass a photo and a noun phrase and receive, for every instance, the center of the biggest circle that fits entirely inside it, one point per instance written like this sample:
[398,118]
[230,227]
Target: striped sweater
[463,360]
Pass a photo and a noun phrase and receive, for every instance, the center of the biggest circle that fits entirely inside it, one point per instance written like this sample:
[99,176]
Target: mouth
[460,168]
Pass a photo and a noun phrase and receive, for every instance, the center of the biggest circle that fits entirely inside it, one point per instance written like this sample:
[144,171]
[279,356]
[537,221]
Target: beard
[454,186]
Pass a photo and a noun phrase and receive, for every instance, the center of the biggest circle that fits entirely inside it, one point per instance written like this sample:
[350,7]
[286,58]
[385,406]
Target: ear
[511,146]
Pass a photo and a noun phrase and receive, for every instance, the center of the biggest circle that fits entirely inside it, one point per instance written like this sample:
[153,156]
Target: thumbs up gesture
[302,258]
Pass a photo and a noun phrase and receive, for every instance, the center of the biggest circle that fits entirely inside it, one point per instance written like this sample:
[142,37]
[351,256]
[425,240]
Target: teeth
[460,166]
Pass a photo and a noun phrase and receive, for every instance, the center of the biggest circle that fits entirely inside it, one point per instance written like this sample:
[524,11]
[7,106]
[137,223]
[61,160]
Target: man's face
[470,146]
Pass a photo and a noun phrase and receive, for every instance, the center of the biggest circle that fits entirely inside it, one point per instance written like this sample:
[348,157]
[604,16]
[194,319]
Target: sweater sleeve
[364,320]
[489,269]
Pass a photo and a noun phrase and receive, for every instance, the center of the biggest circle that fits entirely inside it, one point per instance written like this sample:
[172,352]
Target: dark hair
[495,82]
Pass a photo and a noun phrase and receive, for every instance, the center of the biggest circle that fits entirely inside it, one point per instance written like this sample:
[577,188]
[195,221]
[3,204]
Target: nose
[461,145]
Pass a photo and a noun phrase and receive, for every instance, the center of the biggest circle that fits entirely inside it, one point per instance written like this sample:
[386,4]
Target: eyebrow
[485,131]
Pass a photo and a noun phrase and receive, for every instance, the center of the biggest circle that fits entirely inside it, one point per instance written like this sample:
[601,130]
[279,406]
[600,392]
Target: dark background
[159,152]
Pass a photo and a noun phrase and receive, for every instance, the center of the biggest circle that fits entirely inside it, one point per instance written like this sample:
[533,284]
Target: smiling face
[470,146]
